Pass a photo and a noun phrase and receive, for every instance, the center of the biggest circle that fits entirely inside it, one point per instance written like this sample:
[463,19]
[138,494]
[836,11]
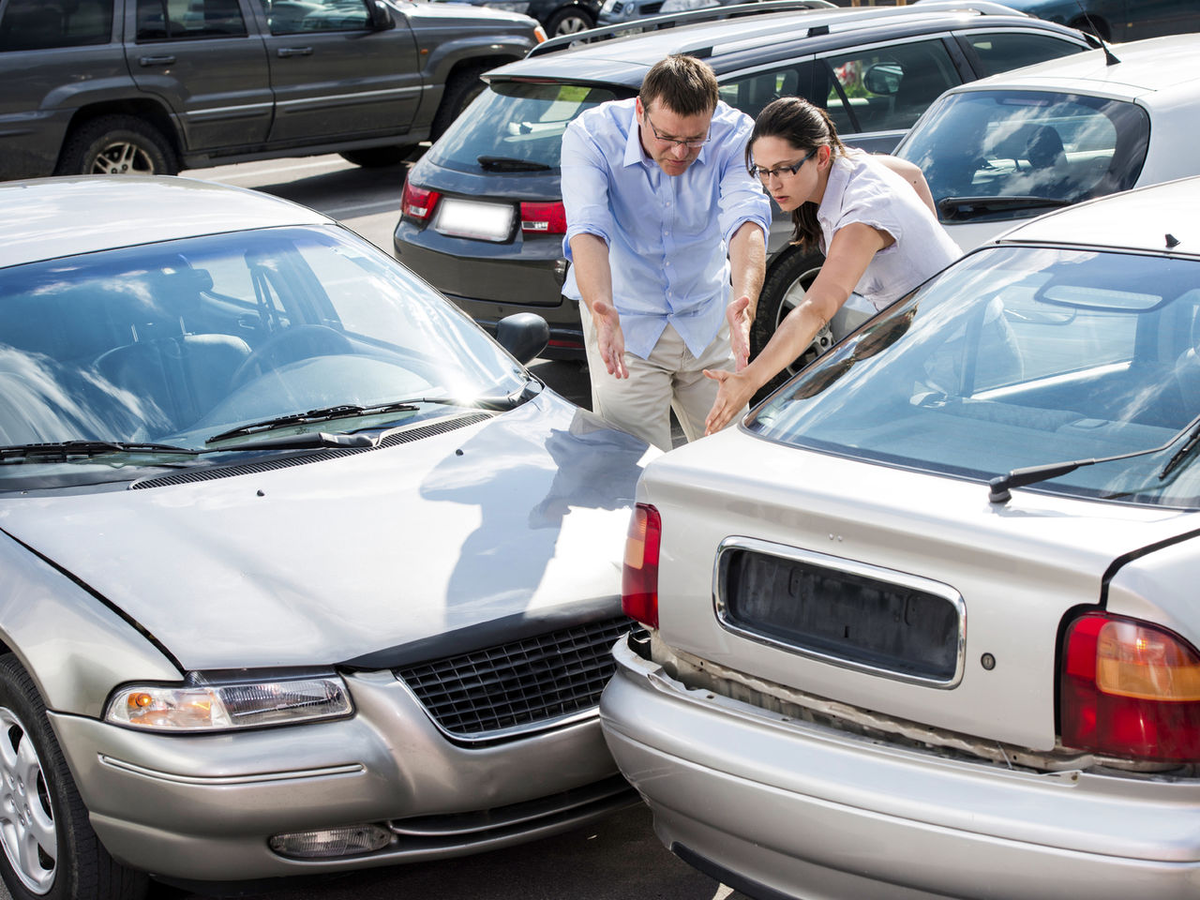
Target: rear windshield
[517,122]
[994,155]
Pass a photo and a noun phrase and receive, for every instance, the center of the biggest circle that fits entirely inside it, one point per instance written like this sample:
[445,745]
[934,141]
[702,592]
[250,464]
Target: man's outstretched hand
[609,338]
[739,331]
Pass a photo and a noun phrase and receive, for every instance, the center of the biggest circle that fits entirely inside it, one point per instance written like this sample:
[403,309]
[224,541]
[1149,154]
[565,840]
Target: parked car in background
[925,624]
[120,86]
[1012,146]
[617,12]
[1117,20]
[559,17]
[482,216]
[301,571]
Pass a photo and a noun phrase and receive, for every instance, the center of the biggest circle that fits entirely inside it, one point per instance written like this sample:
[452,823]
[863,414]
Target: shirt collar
[835,190]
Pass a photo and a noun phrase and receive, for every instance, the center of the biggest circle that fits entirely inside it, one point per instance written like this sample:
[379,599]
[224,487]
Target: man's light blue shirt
[667,235]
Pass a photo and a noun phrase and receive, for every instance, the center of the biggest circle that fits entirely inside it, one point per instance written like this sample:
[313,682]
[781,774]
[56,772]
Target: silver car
[301,571]
[925,625]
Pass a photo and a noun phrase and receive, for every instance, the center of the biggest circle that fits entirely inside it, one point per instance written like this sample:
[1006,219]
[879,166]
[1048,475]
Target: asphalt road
[616,859]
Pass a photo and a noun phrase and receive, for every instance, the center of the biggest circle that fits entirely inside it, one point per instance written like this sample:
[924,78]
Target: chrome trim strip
[357,96]
[227,780]
[850,567]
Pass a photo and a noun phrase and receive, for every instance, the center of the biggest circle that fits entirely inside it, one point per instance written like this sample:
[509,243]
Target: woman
[872,216]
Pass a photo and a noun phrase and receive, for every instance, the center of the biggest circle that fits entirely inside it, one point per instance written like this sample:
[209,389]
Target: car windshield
[1018,357]
[178,342]
[515,125]
[994,155]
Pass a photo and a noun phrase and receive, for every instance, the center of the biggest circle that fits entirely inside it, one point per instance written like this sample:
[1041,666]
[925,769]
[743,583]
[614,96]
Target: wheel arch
[147,110]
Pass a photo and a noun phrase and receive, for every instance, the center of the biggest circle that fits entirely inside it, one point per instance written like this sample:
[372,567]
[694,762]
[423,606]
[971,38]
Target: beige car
[925,624]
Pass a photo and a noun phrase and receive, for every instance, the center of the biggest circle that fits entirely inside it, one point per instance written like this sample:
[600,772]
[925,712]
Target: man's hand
[609,338]
[733,394]
[739,331]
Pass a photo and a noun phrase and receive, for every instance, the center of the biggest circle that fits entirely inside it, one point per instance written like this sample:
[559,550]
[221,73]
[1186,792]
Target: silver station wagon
[301,572]
[925,624]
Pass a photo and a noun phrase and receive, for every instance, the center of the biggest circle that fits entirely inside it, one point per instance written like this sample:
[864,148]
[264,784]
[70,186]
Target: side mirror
[524,335]
[381,16]
[883,78]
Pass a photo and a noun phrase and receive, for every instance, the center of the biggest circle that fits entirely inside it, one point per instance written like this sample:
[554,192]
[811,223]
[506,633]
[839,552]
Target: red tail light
[417,203]
[1130,689]
[543,218]
[639,581]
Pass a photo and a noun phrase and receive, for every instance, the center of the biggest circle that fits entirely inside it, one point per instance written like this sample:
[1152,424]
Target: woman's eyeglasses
[778,171]
[693,144]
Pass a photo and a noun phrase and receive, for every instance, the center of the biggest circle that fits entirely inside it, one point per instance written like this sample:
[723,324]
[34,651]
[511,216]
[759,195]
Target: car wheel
[463,87]
[117,145]
[378,157]
[782,291]
[571,20]
[50,849]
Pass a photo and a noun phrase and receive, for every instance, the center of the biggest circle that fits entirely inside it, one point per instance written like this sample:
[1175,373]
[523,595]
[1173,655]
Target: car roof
[771,27]
[1161,64]
[1146,219]
[47,218]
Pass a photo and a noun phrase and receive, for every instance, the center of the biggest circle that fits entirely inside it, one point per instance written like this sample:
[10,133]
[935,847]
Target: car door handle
[155,60]
[295,51]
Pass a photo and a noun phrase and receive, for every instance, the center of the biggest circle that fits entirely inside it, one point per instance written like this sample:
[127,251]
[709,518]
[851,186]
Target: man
[662,218]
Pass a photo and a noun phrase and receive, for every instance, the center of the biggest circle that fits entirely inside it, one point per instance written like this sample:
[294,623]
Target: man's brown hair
[685,85]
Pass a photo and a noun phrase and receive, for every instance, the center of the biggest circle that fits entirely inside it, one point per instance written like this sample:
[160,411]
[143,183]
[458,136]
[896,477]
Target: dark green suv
[153,86]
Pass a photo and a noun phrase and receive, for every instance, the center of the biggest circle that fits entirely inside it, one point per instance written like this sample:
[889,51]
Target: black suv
[482,216]
[153,86]
[559,16]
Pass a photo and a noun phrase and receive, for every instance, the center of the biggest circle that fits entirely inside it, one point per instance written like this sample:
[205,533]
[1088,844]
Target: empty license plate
[471,219]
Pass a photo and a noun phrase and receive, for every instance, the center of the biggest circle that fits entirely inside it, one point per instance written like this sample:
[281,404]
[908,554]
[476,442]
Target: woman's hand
[609,338]
[732,396]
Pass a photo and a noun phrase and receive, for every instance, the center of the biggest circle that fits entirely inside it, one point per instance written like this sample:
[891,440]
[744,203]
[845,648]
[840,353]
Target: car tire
[378,157]
[50,849]
[783,289]
[117,145]
[569,20]
[463,87]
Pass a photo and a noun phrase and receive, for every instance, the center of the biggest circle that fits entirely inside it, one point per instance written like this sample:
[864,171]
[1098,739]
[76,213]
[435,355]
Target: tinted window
[1053,149]
[515,127]
[185,19]
[751,93]
[293,16]
[1018,357]
[1001,51]
[42,24]
[886,89]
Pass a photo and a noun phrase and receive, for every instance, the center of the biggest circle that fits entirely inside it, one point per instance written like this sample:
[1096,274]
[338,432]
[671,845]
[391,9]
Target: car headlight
[204,704]
[515,6]
[674,6]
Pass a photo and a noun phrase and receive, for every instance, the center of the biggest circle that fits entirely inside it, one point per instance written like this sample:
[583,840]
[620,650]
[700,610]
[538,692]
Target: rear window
[45,24]
[515,126]
[991,155]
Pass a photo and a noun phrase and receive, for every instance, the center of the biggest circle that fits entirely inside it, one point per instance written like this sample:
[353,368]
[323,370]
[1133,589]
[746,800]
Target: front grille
[520,686]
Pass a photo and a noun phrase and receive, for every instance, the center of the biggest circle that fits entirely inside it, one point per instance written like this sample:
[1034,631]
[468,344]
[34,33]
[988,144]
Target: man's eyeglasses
[693,144]
[764,174]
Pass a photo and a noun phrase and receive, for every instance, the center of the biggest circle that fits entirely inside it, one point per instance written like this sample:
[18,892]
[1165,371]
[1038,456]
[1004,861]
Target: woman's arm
[850,252]
[914,176]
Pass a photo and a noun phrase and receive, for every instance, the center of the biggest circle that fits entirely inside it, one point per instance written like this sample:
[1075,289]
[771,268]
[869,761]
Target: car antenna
[1110,58]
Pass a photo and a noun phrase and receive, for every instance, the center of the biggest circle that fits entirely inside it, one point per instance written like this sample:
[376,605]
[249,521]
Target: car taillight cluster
[639,577]
[1130,689]
[543,218]
[417,203]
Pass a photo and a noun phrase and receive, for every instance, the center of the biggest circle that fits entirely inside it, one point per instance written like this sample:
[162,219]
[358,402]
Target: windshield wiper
[63,451]
[325,414]
[510,164]
[961,209]
[1000,485]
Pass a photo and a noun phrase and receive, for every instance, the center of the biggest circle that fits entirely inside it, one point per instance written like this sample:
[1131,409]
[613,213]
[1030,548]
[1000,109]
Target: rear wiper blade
[510,164]
[1000,485]
[961,209]
[62,451]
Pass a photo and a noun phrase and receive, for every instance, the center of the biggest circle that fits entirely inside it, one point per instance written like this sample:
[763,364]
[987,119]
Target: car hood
[364,556]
